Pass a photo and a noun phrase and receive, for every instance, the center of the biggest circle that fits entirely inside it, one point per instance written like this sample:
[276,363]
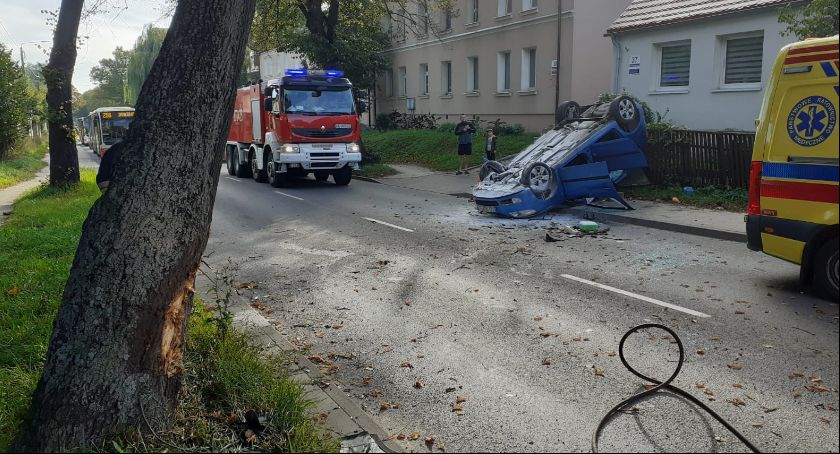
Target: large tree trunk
[58,74]
[115,356]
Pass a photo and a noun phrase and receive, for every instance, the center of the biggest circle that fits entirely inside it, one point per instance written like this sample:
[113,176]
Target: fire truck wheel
[343,176]
[242,171]
[231,166]
[321,176]
[826,270]
[259,175]
[277,180]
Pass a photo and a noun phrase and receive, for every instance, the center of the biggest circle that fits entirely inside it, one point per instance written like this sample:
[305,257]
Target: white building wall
[704,104]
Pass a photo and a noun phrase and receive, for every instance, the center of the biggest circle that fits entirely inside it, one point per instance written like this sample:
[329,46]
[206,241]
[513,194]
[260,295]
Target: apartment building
[499,59]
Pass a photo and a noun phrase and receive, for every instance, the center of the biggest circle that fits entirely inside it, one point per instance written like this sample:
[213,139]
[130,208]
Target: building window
[674,66]
[528,5]
[473,17]
[529,69]
[446,77]
[503,72]
[743,60]
[505,8]
[389,83]
[423,17]
[472,74]
[446,21]
[401,29]
[424,79]
[402,80]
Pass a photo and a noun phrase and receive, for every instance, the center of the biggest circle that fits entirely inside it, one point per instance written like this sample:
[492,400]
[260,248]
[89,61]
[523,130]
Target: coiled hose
[660,385]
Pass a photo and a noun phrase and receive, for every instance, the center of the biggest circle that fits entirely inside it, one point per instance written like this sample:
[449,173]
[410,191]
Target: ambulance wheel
[625,112]
[540,178]
[826,270]
[490,167]
[231,166]
[258,175]
[565,112]
[321,176]
[275,179]
[343,176]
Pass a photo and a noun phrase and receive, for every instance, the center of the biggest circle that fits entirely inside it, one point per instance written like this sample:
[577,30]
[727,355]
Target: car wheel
[625,112]
[541,179]
[231,168]
[826,270]
[343,176]
[565,112]
[490,167]
[321,176]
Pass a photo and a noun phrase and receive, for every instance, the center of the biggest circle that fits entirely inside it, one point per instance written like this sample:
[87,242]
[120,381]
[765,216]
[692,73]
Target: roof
[114,109]
[652,13]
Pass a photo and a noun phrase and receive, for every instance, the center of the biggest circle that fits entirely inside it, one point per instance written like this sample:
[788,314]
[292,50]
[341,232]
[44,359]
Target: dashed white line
[288,195]
[637,296]
[389,225]
[234,179]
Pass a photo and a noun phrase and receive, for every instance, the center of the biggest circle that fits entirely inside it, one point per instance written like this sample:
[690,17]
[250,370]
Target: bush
[398,120]
[15,103]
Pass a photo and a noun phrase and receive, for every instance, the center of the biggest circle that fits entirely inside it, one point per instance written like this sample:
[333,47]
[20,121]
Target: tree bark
[115,355]
[58,75]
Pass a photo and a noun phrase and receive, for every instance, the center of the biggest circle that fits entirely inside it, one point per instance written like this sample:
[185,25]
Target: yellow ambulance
[793,197]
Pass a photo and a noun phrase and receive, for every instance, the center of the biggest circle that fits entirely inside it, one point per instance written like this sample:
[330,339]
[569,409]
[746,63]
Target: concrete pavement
[413,299]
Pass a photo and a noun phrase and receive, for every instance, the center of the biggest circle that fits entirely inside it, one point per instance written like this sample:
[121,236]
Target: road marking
[234,179]
[637,296]
[288,195]
[389,225]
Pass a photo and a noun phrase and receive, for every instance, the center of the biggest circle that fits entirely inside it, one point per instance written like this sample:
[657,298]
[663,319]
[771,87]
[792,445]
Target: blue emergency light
[303,72]
[334,73]
[296,72]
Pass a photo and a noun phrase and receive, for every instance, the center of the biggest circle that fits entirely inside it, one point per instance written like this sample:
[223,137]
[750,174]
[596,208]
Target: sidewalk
[8,195]
[722,225]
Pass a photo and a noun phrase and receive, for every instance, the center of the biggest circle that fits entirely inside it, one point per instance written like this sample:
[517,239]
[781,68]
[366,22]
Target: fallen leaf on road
[430,440]
[319,334]
[734,366]
[818,389]
[770,409]
[440,447]
[418,385]
[406,364]
[460,399]
[708,392]
[648,387]
[825,420]
[793,375]
[338,326]
[701,352]
[366,381]
[13,291]
[537,318]
[407,303]
[757,424]
[796,394]
[317,359]
[700,385]
[611,354]
[737,385]
[737,402]
[815,379]
[457,407]
[414,436]
[546,361]
[376,392]
[385,406]
[739,312]
[452,389]
[244,285]
[545,334]
[400,436]
[331,369]
[599,372]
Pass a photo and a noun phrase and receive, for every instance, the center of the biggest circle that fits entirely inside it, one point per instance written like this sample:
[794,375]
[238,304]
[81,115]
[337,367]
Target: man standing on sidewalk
[464,130]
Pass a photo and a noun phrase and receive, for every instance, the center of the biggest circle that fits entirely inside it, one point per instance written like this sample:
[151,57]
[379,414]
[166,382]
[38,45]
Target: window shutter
[676,63]
[743,60]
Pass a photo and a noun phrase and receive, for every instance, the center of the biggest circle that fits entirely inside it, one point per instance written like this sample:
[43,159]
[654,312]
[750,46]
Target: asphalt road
[422,300]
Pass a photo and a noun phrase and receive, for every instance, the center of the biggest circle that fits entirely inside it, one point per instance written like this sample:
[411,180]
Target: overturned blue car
[586,154]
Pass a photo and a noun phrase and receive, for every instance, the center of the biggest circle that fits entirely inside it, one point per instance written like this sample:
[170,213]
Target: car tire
[231,168]
[625,112]
[490,167]
[541,179]
[565,112]
[343,176]
[321,176]
[258,175]
[826,270]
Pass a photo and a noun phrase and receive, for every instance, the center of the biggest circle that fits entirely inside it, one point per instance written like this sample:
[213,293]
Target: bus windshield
[115,126]
[311,101]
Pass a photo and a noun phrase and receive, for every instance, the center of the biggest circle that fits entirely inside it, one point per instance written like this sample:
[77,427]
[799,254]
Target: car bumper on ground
[517,205]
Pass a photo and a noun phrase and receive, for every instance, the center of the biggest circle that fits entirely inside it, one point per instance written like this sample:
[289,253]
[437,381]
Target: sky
[21,21]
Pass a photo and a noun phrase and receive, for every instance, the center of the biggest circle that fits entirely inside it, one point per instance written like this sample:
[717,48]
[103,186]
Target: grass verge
[23,163]
[703,197]
[226,376]
[435,149]
[375,170]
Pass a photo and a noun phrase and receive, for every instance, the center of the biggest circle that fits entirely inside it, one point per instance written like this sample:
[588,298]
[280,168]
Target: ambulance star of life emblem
[811,121]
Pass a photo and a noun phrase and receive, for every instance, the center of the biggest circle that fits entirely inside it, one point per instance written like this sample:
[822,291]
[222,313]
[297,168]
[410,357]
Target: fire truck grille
[318,133]
[323,164]
[316,155]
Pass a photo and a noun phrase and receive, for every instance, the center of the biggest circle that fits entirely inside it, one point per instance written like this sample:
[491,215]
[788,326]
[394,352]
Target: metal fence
[700,158]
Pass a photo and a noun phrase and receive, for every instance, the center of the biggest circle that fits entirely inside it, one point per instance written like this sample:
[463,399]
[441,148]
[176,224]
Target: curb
[600,216]
[251,321]
[368,179]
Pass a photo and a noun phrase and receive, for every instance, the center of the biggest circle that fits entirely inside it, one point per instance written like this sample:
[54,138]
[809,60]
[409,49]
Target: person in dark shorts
[490,147]
[464,130]
[106,166]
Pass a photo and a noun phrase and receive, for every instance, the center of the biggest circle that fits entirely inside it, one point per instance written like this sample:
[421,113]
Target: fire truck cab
[304,123]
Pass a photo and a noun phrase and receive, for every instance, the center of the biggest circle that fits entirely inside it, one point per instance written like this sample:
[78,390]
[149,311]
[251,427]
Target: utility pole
[557,73]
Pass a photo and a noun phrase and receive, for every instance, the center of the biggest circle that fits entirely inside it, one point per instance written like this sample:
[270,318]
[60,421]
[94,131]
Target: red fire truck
[304,123]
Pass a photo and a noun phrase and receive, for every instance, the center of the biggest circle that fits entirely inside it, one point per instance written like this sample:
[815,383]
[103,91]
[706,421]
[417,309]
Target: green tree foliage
[344,34]
[817,19]
[15,102]
[109,75]
[143,55]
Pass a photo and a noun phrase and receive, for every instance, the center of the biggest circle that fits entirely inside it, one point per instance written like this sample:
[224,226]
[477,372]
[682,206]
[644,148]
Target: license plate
[486,209]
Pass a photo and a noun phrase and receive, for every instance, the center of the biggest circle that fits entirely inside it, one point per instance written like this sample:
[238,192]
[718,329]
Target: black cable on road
[660,385]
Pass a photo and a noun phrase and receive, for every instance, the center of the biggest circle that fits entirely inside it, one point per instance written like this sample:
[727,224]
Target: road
[426,300]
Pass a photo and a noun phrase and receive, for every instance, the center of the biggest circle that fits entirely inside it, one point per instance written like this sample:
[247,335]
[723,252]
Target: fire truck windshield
[310,101]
